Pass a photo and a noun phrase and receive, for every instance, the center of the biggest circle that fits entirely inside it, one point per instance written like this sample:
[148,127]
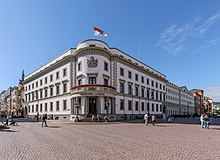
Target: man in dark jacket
[44,120]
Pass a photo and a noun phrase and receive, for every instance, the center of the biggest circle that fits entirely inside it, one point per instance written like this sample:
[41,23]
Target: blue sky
[179,38]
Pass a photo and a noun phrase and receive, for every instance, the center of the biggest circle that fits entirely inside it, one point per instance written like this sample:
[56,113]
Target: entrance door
[92,105]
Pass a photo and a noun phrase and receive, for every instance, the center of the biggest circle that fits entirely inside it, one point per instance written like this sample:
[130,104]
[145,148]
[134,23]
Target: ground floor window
[121,104]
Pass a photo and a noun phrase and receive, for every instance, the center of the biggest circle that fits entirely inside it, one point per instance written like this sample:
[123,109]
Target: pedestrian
[146,119]
[202,120]
[6,120]
[206,122]
[44,120]
[153,120]
[98,117]
[2,116]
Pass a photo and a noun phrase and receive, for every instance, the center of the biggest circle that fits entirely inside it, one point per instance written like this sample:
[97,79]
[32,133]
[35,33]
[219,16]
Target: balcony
[93,90]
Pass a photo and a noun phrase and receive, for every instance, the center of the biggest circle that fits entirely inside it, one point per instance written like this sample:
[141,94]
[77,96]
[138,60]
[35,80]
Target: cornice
[52,67]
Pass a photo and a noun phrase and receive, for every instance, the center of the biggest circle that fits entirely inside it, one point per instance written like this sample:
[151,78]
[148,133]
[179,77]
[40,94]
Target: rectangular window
[129,88]
[45,80]
[136,77]
[41,82]
[41,94]
[64,88]
[64,72]
[136,91]
[152,107]
[129,105]
[57,105]
[121,104]
[147,81]
[156,85]
[156,95]
[64,105]
[51,106]
[32,85]
[156,107]
[79,82]
[45,107]
[106,82]
[58,89]
[142,106]
[36,107]
[45,93]
[29,87]
[51,91]
[57,75]
[121,87]
[79,66]
[106,66]
[136,105]
[51,78]
[92,80]
[152,94]
[36,94]
[32,96]
[36,84]
[29,108]
[129,74]
[152,83]
[142,79]
[41,107]
[142,92]
[160,86]
[160,108]
[32,108]
[121,71]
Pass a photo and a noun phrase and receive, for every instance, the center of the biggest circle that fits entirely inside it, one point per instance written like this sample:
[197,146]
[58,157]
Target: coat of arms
[92,62]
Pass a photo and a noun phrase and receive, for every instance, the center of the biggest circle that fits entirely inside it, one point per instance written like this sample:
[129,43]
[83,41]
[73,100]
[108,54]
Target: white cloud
[173,39]
[213,92]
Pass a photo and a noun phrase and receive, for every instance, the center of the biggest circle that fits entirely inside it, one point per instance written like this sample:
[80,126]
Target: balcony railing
[93,88]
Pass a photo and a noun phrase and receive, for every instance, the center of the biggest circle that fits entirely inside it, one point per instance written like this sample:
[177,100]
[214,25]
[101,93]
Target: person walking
[146,119]
[153,120]
[6,120]
[44,120]
[202,120]
[206,122]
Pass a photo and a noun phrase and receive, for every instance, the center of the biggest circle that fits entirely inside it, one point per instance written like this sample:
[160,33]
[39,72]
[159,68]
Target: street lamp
[77,106]
[107,107]
[148,104]
[188,103]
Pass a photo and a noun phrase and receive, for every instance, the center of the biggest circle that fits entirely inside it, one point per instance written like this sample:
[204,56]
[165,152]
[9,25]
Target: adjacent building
[198,99]
[180,101]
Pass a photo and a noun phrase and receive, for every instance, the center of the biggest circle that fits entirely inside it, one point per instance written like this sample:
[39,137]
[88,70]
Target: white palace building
[95,79]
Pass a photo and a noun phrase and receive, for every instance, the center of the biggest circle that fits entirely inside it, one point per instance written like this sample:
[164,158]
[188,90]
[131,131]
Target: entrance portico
[92,99]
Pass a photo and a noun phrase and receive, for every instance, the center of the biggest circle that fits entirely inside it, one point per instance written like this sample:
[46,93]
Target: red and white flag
[99,32]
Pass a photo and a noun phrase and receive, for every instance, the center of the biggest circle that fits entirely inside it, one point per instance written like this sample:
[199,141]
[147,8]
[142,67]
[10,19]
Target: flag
[99,32]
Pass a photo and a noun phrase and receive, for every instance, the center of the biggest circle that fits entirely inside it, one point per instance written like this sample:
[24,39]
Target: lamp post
[107,107]
[77,106]
[148,104]
[188,103]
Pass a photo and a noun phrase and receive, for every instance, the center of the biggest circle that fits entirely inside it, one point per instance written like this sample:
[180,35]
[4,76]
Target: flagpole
[139,50]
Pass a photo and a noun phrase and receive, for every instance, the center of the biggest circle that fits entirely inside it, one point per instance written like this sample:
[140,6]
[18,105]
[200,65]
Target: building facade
[95,79]
[198,100]
[180,101]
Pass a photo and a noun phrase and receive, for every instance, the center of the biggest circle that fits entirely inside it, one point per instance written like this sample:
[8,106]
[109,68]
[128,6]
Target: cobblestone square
[103,141]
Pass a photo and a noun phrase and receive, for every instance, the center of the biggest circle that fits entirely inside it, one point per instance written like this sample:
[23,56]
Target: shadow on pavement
[54,127]
[6,130]
[215,128]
